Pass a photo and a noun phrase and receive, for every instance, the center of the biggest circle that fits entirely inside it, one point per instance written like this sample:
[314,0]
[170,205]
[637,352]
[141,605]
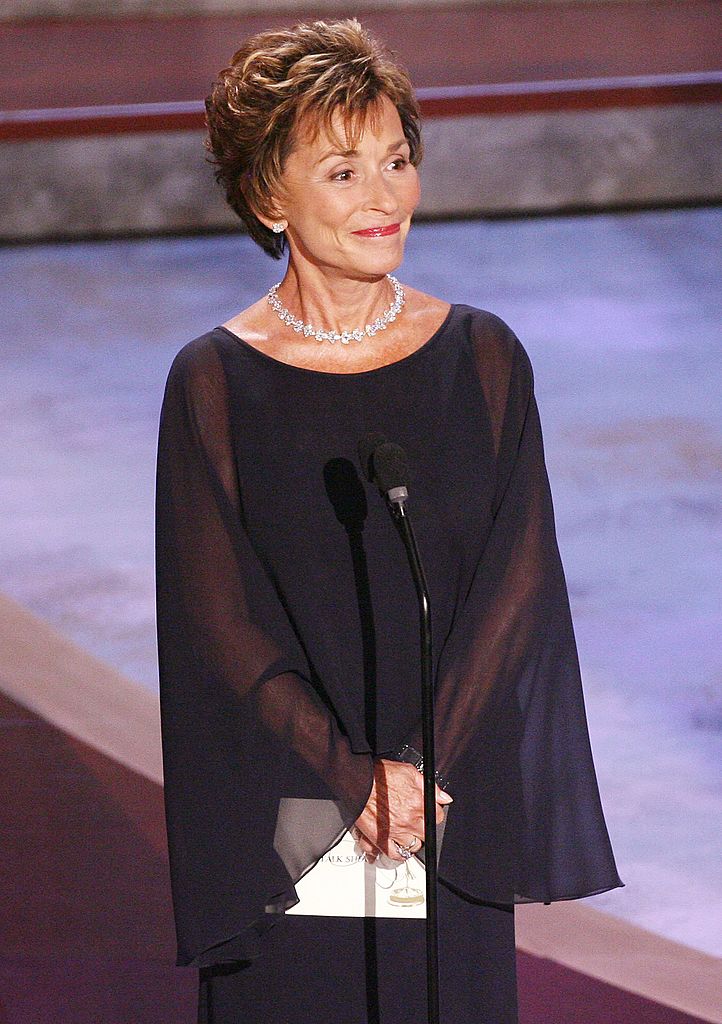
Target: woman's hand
[394,812]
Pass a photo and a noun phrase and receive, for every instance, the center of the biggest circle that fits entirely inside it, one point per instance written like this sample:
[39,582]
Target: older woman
[287,618]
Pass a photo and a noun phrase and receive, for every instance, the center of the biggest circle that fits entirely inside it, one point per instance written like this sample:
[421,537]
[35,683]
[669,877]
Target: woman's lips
[379,232]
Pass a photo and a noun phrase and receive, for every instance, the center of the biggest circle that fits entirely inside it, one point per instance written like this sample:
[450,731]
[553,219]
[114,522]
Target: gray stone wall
[573,158]
[473,165]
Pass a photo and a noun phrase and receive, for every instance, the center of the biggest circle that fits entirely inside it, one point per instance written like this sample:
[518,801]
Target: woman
[287,618]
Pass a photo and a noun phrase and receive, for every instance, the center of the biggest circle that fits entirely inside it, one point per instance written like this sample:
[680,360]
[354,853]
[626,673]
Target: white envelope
[344,884]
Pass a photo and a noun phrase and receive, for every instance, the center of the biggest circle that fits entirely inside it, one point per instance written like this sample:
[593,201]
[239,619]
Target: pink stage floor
[86,928]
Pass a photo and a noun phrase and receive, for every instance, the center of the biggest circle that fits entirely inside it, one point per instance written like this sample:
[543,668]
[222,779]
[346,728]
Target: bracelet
[411,756]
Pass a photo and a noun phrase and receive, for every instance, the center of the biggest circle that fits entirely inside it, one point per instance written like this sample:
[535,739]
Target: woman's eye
[339,176]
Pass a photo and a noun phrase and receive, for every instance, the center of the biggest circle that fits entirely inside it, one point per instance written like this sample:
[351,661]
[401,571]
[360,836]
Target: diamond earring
[278,226]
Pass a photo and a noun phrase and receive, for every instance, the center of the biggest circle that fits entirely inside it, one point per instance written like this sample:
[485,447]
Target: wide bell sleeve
[239,705]
[510,725]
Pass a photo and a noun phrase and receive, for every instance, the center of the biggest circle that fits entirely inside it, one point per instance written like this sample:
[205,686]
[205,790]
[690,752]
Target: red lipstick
[390,229]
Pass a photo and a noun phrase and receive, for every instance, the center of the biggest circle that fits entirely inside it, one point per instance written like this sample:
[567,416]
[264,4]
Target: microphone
[385,464]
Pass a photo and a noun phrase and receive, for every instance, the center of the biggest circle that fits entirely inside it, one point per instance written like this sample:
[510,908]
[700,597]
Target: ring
[408,851]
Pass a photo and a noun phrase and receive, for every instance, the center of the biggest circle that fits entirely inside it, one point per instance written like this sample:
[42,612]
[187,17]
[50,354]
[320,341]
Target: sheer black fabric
[288,625]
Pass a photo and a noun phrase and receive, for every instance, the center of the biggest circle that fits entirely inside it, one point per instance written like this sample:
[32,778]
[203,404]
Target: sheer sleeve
[511,728]
[238,701]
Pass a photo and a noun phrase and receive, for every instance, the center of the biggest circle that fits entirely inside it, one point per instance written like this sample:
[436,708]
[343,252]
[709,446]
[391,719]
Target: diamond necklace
[379,324]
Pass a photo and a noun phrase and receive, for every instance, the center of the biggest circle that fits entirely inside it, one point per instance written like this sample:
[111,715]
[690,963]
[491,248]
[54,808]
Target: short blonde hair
[279,78]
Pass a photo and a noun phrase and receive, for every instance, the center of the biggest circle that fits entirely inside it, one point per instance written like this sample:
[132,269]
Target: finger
[368,847]
[410,843]
[442,797]
[369,850]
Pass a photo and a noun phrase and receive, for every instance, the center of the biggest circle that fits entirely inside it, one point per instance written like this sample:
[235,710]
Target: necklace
[379,324]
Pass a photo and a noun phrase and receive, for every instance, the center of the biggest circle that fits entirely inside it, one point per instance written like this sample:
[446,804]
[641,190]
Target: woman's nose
[380,195]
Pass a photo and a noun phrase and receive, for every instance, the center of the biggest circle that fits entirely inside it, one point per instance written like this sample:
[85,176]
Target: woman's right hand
[394,812]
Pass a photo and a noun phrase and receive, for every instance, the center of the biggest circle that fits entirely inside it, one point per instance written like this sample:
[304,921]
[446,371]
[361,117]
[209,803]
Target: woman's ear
[262,209]
[268,210]
[275,225]
[272,219]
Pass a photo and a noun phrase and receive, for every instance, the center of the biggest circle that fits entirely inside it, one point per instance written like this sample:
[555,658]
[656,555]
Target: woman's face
[329,196]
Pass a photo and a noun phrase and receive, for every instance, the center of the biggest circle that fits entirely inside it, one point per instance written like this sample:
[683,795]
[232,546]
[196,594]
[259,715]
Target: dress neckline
[293,368]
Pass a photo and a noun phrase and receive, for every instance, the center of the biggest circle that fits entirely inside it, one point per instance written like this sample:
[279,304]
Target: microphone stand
[396,497]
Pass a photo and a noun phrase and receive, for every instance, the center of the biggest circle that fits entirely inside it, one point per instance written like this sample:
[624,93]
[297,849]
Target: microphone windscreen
[366,448]
[390,467]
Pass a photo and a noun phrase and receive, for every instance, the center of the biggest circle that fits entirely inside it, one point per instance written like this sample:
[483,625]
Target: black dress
[289,659]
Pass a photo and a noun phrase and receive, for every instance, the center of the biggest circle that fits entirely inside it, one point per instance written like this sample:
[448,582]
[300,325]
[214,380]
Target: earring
[278,226]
